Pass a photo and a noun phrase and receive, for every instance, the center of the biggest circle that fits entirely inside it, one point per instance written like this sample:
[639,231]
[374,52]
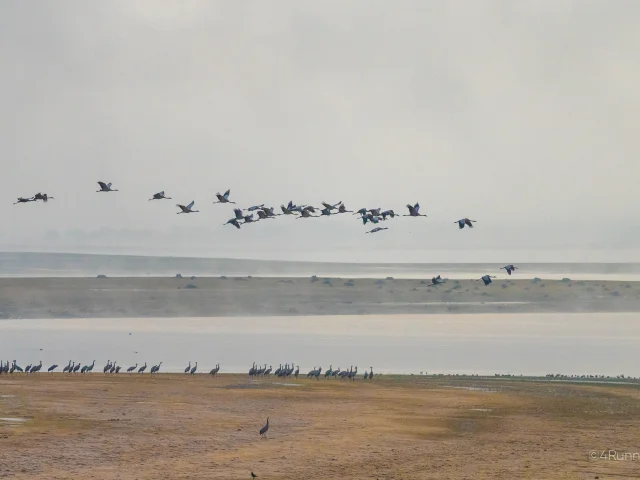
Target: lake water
[14,264]
[528,344]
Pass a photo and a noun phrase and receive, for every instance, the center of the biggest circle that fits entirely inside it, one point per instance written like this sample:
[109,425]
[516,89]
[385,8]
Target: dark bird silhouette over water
[509,268]
[263,430]
[486,279]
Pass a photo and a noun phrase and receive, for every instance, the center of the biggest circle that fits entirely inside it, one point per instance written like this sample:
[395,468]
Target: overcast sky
[506,112]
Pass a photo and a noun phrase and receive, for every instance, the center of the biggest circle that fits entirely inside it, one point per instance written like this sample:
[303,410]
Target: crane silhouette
[263,430]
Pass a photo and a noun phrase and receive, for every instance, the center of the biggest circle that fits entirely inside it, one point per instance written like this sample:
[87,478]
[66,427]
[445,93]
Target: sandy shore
[173,426]
[205,297]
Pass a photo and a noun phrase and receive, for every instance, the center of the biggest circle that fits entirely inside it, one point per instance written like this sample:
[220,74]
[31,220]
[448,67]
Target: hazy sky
[506,112]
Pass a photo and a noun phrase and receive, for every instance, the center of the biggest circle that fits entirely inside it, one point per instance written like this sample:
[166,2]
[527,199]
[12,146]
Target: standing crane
[263,430]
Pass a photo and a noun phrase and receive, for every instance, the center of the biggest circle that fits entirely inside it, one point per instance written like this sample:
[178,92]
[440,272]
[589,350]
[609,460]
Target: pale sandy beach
[209,297]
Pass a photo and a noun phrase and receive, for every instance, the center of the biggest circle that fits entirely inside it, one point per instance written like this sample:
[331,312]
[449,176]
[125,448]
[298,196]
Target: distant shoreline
[121,297]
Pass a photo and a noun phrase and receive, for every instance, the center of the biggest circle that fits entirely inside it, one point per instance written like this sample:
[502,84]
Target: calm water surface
[528,344]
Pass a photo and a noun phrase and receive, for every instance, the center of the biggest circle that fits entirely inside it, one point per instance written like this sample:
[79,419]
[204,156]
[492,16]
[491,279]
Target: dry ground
[171,297]
[177,427]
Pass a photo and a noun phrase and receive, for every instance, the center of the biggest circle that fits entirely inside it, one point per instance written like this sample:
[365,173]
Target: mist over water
[15,264]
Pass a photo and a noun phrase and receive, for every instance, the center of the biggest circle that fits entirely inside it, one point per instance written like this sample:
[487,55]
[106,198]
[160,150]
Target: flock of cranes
[246,216]
[286,370]
[110,368]
[283,371]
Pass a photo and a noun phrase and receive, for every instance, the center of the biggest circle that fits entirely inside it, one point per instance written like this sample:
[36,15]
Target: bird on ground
[52,368]
[188,208]
[253,475]
[263,430]
[509,268]
[193,370]
[464,221]
[131,369]
[486,279]
[90,367]
[331,207]
[234,222]
[25,200]
[159,196]
[66,369]
[436,281]
[105,187]
[377,229]
[371,373]
[414,211]
[366,375]
[214,371]
[142,368]
[42,196]
[188,369]
[343,209]
[224,198]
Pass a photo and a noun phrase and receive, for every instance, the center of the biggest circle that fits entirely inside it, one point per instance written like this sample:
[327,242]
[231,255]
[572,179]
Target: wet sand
[173,426]
[209,297]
